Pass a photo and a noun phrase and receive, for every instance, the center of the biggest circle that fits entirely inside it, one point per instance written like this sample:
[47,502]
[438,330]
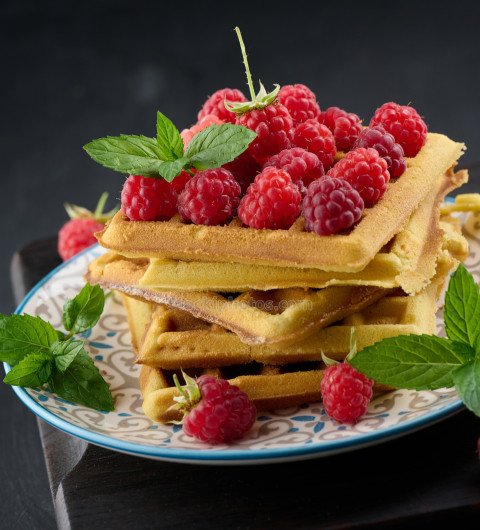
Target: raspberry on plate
[404,124]
[344,125]
[206,121]
[377,138]
[300,102]
[272,201]
[366,171]
[215,104]
[216,411]
[316,138]
[78,233]
[210,197]
[300,164]
[331,205]
[148,199]
[244,168]
[346,392]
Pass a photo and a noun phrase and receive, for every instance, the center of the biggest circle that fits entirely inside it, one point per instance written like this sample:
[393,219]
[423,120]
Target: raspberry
[316,138]
[383,142]
[331,205]
[215,104]
[76,235]
[345,126]
[274,127]
[346,393]
[244,168]
[210,197]
[224,413]
[404,124]
[148,199]
[301,165]
[178,183]
[272,201]
[206,121]
[366,171]
[300,101]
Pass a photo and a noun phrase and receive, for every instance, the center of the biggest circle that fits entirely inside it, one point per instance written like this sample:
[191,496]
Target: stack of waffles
[258,307]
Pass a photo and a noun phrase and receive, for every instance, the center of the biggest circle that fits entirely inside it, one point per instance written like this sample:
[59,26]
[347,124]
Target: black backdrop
[73,71]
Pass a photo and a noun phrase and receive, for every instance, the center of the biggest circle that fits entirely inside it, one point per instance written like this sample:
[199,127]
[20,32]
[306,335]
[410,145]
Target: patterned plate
[293,434]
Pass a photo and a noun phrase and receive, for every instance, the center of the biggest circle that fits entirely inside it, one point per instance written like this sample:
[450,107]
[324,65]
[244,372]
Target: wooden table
[430,477]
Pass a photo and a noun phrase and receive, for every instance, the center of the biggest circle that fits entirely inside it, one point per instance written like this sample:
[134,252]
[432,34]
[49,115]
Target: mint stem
[245,62]
[101,205]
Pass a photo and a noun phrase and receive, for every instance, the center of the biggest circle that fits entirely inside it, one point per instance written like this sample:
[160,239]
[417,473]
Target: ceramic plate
[292,434]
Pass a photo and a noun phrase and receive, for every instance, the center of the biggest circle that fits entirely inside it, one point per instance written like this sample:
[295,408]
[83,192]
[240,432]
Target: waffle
[292,248]
[257,317]
[407,262]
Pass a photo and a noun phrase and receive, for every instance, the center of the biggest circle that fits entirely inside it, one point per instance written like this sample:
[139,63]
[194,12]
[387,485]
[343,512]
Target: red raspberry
[299,164]
[76,235]
[272,201]
[244,168]
[346,393]
[345,126]
[316,138]
[206,121]
[274,127]
[178,183]
[210,197]
[148,199]
[330,206]
[300,101]
[383,142]
[215,104]
[366,171]
[404,124]
[224,413]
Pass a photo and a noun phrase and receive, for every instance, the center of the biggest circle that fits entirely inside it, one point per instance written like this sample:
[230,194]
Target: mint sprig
[164,156]
[40,355]
[426,362]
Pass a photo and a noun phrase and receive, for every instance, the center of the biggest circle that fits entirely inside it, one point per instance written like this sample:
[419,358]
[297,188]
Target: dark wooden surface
[430,477]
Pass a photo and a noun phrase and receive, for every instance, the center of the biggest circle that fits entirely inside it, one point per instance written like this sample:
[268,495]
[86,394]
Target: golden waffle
[257,317]
[464,202]
[292,248]
[407,262]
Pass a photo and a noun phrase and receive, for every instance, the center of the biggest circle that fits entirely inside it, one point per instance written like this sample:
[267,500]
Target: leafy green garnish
[41,355]
[426,362]
[164,156]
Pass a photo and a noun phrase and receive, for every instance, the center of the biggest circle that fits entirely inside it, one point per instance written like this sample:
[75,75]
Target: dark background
[73,71]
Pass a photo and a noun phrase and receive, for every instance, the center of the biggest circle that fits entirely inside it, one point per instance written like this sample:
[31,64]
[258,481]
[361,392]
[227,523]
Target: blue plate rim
[222,455]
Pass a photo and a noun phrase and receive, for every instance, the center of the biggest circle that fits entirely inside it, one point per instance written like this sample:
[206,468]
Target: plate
[292,434]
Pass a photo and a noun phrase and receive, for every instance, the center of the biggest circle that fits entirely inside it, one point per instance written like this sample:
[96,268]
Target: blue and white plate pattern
[292,434]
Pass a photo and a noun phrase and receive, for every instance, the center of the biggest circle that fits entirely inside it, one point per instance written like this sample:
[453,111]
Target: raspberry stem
[245,62]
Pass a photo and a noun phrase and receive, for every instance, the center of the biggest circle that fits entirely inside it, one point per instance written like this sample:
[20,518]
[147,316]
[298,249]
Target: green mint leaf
[462,308]
[64,352]
[21,335]
[136,155]
[421,362]
[32,371]
[82,383]
[217,145]
[169,170]
[467,384]
[83,311]
[168,138]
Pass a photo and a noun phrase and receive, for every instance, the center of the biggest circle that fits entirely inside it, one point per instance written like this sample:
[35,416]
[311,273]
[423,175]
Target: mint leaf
[170,170]
[462,308]
[82,383]
[64,352]
[218,144]
[467,384]
[136,155]
[33,370]
[168,138]
[83,311]
[21,335]
[422,362]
